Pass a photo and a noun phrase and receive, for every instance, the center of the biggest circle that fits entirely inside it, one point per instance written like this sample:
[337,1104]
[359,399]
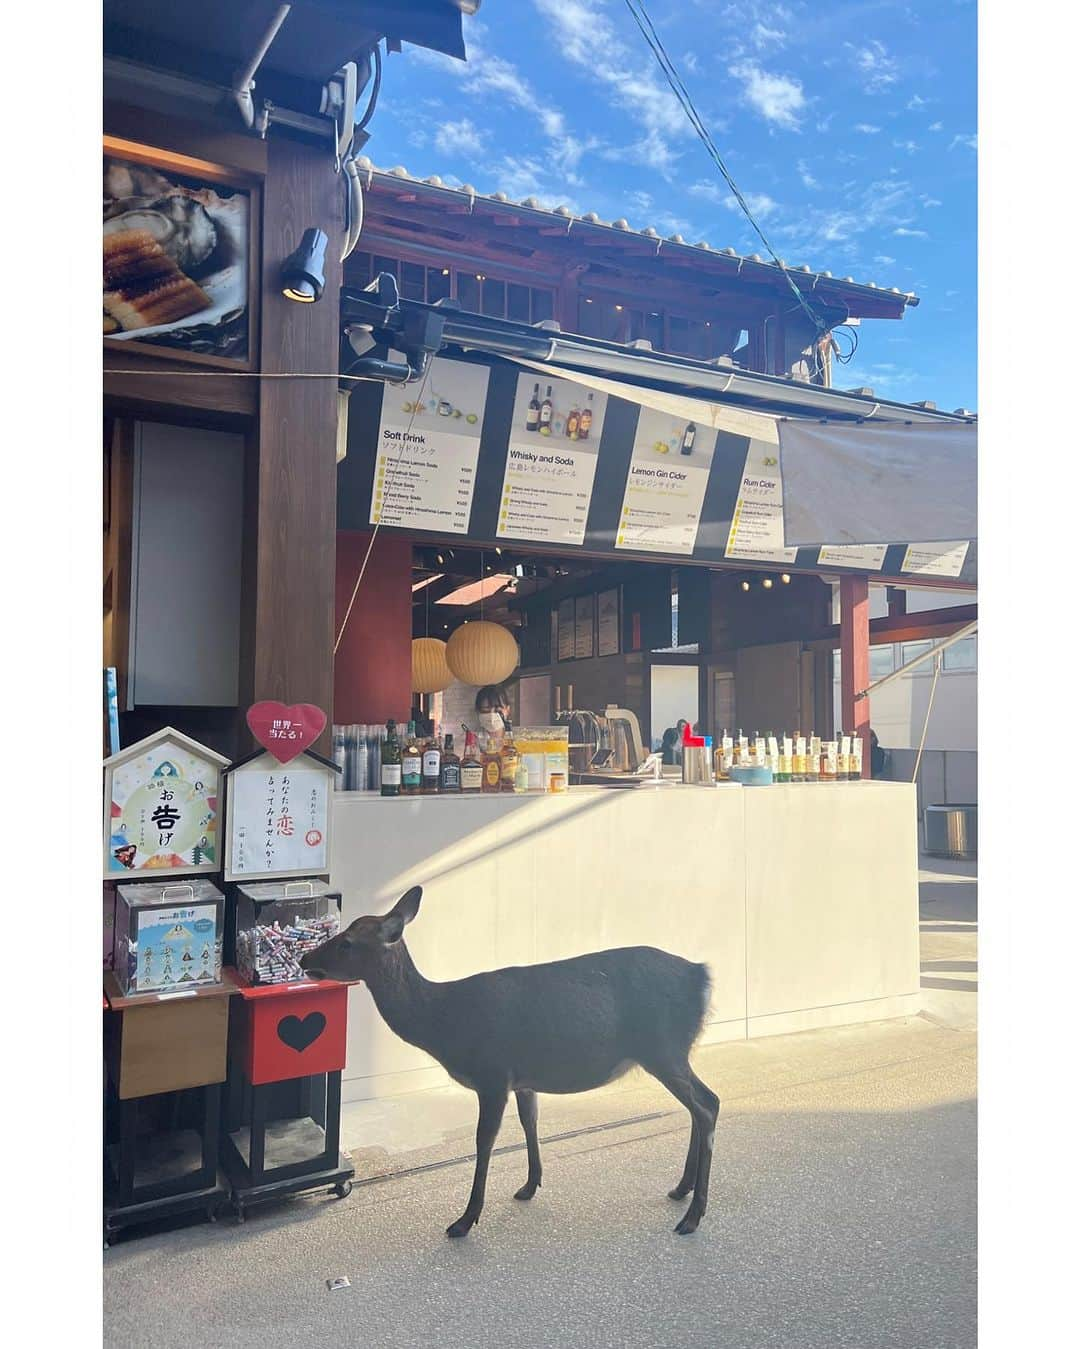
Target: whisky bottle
[489,757]
[687,446]
[573,421]
[532,416]
[508,759]
[430,765]
[411,763]
[450,768]
[545,412]
[390,769]
[472,768]
[585,420]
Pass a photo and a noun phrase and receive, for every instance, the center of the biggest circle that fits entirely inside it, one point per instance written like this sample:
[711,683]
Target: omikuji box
[278,923]
[168,937]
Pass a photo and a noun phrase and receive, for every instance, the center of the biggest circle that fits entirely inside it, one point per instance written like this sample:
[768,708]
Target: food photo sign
[161,808]
[278,799]
[176,261]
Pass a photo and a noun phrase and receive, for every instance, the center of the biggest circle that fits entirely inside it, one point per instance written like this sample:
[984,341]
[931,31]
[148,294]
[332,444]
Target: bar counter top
[802,898]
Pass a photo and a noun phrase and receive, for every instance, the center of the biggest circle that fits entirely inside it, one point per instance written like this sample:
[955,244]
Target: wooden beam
[931,625]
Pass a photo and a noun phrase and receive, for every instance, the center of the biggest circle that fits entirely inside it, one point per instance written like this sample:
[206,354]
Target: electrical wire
[656,46]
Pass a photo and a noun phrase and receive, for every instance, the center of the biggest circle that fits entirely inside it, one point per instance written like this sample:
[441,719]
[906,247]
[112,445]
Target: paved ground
[842,1211]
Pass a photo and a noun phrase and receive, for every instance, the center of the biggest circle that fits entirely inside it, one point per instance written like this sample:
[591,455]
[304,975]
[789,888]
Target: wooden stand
[157,1045]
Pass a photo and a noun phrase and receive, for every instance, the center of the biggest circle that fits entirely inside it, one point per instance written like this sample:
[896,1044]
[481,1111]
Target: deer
[565,1026]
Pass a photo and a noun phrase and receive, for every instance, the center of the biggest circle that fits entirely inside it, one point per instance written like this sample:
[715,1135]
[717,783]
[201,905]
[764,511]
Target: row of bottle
[358,753]
[421,765]
[539,416]
[792,758]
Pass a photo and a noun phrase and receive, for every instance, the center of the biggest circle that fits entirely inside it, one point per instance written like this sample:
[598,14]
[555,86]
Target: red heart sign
[285,731]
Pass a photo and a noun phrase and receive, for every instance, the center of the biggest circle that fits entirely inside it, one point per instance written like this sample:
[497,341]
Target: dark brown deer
[567,1026]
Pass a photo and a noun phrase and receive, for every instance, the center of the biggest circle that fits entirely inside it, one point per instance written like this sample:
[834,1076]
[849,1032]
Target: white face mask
[490,721]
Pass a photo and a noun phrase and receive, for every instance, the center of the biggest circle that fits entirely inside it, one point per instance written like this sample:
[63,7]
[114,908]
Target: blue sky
[849,125]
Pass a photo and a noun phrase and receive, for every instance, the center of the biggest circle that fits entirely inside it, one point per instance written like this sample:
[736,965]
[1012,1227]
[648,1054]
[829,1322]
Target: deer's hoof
[527,1190]
[679,1192]
[461,1227]
[689,1223]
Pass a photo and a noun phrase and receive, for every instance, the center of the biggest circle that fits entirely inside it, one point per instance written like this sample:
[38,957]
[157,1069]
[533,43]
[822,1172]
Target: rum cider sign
[429,442]
[550,460]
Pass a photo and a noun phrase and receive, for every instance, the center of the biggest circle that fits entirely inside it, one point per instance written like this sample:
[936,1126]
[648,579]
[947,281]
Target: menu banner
[665,485]
[867,557]
[935,559]
[607,603]
[428,445]
[757,523]
[550,461]
[567,632]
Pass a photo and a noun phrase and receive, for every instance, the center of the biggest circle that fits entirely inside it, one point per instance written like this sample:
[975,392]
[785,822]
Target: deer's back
[570,1025]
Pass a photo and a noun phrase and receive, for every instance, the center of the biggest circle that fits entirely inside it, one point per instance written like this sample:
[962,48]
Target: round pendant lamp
[430,672]
[482,653]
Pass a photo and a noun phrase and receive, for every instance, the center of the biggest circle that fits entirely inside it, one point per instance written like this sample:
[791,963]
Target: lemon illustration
[471,418]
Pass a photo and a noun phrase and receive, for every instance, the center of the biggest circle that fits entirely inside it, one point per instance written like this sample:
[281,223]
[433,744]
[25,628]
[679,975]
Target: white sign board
[429,442]
[867,557]
[935,559]
[278,819]
[665,486]
[757,523]
[550,460]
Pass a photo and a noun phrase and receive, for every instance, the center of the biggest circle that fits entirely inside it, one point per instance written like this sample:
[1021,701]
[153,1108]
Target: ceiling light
[785,578]
[302,276]
[767,583]
[746,585]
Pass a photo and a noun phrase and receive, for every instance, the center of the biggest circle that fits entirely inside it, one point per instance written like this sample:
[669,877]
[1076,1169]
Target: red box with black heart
[294,1030]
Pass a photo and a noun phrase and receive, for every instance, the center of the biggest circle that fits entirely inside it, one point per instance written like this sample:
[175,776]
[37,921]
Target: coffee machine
[605,748]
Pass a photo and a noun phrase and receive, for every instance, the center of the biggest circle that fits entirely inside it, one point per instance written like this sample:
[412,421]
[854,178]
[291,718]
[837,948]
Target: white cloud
[909,146]
[874,64]
[708,190]
[762,36]
[807,178]
[883,260]
[902,232]
[761,205]
[865,129]
[690,62]
[929,201]
[972,142]
[915,102]
[936,126]
[778,98]
[459,138]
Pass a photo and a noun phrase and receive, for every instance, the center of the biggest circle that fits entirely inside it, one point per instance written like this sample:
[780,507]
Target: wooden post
[855,661]
[292,487]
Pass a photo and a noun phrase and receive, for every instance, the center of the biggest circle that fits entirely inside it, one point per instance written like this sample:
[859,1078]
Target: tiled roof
[590,218]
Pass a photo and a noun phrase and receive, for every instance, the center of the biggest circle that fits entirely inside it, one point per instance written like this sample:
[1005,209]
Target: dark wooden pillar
[292,485]
[855,660]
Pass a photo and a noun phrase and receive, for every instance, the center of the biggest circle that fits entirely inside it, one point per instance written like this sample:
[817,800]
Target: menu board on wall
[867,557]
[935,559]
[278,820]
[607,623]
[550,460]
[665,485]
[583,627]
[757,522]
[428,444]
[566,630]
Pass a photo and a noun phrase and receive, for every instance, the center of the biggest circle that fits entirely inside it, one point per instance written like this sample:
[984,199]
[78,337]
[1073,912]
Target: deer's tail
[703,981]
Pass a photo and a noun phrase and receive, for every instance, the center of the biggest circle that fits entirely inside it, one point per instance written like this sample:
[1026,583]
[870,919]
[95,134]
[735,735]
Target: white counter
[802,899]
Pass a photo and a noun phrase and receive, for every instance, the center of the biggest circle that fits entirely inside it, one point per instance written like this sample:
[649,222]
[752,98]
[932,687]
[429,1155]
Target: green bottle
[390,780]
[411,763]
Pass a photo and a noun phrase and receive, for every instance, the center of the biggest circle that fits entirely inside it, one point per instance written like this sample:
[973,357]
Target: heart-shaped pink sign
[285,731]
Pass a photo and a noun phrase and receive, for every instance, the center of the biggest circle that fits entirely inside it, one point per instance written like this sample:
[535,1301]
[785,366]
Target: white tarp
[878,482]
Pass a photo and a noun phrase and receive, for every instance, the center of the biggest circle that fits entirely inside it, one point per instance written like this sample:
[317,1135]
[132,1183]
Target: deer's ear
[391,928]
[408,905]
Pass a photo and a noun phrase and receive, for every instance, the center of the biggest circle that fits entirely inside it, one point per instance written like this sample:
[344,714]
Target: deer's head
[363,945]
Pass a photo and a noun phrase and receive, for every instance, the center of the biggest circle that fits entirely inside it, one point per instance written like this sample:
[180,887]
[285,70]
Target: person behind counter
[492,708]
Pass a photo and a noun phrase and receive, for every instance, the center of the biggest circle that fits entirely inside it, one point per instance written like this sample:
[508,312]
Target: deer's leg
[704,1107]
[526,1104]
[492,1105]
[689,1175]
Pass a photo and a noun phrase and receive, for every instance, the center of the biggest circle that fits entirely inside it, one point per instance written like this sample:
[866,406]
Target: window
[477,292]
[909,651]
[960,656]
[882,662]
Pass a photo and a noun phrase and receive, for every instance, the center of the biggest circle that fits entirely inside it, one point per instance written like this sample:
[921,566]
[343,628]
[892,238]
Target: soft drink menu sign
[665,486]
[550,461]
[428,445]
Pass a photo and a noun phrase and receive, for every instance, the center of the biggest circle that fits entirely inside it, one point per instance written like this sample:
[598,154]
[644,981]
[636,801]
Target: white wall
[674,695]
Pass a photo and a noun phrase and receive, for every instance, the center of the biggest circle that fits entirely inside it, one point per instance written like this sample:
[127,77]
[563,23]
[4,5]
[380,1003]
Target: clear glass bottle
[411,763]
[431,766]
[472,767]
[390,784]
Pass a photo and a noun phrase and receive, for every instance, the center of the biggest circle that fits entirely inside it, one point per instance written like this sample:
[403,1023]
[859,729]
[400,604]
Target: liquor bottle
[430,765]
[450,768]
[545,412]
[843,759]
[532,416]
[761,750]
[687,446]
[798,758]
[813,759]
[585,420]
[508,759]
[829,761]
[390,781]
[573,421]
[411,763]
[489,757]
[472,767]
[340,779]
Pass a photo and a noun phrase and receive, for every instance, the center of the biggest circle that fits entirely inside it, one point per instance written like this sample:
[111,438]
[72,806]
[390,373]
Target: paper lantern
[481,653]
[430,672]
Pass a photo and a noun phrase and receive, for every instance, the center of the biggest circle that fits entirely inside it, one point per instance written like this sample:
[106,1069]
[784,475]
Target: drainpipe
[244,82]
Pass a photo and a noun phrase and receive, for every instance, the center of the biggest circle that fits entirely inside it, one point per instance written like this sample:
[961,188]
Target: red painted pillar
[855,660]
[373,665]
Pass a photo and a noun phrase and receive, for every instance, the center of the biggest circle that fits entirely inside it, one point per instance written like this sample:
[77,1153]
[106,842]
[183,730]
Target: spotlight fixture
[498,551]
[767,583]
[440,559]
[785,578]
[745,585]
[302,277]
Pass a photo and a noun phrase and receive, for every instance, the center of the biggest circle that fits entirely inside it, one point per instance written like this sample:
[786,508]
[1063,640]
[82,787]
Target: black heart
[299,1034]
